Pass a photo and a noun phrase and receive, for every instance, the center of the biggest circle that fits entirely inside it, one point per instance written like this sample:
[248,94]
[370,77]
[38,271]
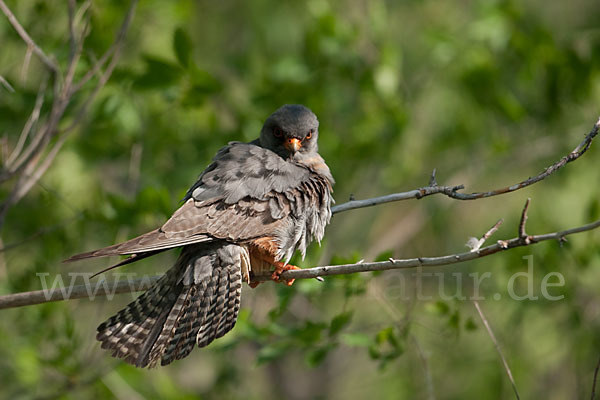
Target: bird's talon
[281,268]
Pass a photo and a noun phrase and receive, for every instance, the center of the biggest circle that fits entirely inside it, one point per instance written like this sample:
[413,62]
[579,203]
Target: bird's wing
[151,242]
[246,192]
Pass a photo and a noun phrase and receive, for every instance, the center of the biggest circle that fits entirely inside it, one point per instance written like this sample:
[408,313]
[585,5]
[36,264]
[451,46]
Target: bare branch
[426,369]
[412,194]
[27,39]
[37,297]
[116,52]
[26,61]
[33,118]
[29,164]
[72,40]
[6,85]
[82,10]
[501,245]
[113,51]
[76,292]
[475,244]
[452,191]
[432,180]
[492,230]
[523,221]
[595,380]
[493,337]
[31,179]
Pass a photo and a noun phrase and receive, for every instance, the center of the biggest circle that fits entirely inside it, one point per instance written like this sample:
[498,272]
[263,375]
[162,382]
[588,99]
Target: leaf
[339,322]
[310,333]
[285,297]
[202,84]
[316,357]
[454,321]
[470,324]
[438,308]
[158,73]
[384,335]
[374,352]
[387,346]
[182,44]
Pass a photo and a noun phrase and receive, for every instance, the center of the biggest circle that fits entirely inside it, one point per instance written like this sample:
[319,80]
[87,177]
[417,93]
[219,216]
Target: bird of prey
[249,211]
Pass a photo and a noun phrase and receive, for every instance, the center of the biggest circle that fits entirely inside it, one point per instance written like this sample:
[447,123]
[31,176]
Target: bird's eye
[277,132]
[309,135]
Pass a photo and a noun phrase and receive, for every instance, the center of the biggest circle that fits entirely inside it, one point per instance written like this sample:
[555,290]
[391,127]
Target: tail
[196,301]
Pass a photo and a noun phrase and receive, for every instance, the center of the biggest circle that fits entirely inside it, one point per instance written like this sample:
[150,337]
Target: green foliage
[387,346]
[488,94]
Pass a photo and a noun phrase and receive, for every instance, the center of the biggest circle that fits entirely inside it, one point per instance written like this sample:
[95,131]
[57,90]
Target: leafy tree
[488,93]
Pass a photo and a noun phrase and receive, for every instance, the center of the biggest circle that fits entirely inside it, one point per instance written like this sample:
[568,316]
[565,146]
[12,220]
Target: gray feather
[200,295]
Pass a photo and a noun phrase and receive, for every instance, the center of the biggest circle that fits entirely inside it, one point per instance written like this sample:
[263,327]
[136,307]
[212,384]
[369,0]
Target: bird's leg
[262,257]
[281,268]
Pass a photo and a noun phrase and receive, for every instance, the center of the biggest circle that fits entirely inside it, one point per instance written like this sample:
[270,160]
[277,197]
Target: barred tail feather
[196,301]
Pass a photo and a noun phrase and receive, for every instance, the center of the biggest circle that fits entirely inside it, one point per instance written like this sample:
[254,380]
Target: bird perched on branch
[250,210]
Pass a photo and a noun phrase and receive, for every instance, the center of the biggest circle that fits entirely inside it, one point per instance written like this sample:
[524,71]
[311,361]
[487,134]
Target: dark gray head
[291,132]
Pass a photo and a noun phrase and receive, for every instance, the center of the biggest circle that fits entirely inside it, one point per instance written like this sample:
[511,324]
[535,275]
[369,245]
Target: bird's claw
[281,268]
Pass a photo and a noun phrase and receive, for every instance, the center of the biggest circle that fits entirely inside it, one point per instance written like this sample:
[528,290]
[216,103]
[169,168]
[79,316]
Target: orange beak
[293,144]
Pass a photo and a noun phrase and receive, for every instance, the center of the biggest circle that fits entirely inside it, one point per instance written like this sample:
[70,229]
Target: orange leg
[262,257]
[279,269]
[276,275]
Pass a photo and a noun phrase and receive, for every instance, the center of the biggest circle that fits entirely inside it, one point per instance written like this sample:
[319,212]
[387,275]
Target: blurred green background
[489,92]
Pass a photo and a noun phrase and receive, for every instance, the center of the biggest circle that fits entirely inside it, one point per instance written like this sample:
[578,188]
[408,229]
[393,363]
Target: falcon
[246,215]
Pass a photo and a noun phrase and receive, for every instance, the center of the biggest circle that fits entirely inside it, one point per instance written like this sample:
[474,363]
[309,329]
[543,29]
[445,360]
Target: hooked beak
[292,144]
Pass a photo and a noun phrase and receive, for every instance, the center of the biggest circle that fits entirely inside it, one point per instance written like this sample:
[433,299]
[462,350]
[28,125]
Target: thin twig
[113,51]
[6,85]
[33,118]
[118,45]
[595,380]
[491,333]
[475,244]
[453,191]
[72,40]
[493,229]
[523,221]
[26,61]
[27,39]
[426,370]
[32,178]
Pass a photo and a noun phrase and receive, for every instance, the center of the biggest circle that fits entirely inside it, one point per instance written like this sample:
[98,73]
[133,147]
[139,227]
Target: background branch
[595,380]
[498,349]
[51,65]
[452,191]
[38,146]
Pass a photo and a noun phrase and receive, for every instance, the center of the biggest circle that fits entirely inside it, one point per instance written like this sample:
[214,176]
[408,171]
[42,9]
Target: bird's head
[291,132]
